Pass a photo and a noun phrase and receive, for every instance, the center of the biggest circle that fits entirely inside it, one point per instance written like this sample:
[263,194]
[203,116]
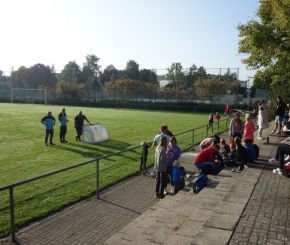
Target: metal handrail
[11,187]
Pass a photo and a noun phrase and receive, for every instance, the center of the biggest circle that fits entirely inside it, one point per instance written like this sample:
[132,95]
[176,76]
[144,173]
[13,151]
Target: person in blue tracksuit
[49,122]
[62,125]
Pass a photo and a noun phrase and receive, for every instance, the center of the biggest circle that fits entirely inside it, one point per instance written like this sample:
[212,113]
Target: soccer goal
[28,95]
[93,134]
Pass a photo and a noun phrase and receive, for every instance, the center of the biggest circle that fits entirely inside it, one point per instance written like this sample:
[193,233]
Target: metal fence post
[98,178]
[192,138]
[12,218]
[144,157]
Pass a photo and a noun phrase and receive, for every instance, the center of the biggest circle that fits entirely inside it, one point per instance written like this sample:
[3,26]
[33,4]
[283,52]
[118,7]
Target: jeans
[160,183]
[62,133]
[283,149]
[207,168]
[48,132]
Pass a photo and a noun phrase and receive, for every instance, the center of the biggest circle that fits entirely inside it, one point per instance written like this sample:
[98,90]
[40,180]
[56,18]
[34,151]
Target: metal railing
[10,187]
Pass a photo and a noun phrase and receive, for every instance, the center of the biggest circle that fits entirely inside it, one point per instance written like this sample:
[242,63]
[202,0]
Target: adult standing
[62,125]
[236,127]
[164,132]
[160,166]
[262,118]
[79,123]
[227,110]
[279,114]
[49,122]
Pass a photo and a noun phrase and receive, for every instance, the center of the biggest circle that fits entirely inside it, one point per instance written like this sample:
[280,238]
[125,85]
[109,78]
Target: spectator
[79,123]
[178,174]
[160,167]
[279,114]
[163,133]
[208,141]
[249,128]
[205,160]
[251,153]
[282,151]
[217,118]
[173,153]
[225,149]
[262,119]
[49,122]
[227,110]
[210,122]
[144,154]
[236,127]
[240,156]
[62,125]
[230,159]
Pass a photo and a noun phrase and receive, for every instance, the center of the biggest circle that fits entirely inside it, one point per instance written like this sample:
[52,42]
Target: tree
[71,73]
[91,71]
[210,88]
[70,90]
[148,76]
[176,77]
[34,77]
[267,43]
[132,70]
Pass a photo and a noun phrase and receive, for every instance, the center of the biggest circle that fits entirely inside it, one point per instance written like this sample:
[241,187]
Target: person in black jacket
[279,114]
[241,157]
[79,123]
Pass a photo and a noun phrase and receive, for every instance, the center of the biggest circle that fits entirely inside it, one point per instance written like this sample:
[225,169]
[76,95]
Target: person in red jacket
[206,162]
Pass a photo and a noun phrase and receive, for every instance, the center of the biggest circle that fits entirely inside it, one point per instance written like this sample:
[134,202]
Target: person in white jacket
[262,118]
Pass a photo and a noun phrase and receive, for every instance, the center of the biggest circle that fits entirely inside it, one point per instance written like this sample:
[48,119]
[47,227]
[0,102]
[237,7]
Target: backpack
[257,150]
[200,183]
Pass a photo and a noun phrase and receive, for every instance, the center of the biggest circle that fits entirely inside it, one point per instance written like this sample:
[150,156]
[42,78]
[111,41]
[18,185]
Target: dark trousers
[283,149]
[62,133]
[48,132]
[160,183]
[79,132]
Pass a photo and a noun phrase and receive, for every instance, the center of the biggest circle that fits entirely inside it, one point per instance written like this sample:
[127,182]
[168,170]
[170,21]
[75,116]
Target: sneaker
[273,132]
[235,169]
[273,160]
[157,195]
[277,171]
[165,192]
[260,138]
[239,170]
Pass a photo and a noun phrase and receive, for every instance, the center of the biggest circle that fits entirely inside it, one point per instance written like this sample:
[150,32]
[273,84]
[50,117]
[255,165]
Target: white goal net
[93,134]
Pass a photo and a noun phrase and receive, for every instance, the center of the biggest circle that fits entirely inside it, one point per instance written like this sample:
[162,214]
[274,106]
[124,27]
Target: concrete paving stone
[274,242]
[223,221]
[237,197]
[225,207]
[212,193]
[179,240]
[211,236]
[189,228]
[206,203]
[201,215]
[162,235]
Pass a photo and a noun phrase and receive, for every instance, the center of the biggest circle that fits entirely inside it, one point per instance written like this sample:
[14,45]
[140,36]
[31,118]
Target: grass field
[24,155]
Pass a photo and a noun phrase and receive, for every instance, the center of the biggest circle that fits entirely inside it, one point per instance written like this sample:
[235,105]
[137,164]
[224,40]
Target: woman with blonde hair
[249,128]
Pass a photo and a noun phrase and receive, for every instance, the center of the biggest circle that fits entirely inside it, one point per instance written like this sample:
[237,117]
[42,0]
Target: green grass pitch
[24,155]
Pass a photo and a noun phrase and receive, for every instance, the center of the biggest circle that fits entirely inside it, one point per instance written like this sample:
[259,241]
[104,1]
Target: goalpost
[28,95]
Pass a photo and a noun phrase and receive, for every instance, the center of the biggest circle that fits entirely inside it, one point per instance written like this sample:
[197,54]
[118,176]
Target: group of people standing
[49,123]
[166,165]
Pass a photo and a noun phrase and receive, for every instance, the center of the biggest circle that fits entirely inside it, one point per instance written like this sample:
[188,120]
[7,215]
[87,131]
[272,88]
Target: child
[160,166]
[217,118]
[230,159]
[225,149]
[210,122]
[178,174]
[251,153]
[240,156]
[249,128]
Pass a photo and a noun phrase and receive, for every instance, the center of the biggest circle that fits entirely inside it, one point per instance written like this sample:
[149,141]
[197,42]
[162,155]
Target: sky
[154,33]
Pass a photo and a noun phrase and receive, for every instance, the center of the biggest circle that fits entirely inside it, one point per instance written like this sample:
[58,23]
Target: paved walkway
[247,208]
